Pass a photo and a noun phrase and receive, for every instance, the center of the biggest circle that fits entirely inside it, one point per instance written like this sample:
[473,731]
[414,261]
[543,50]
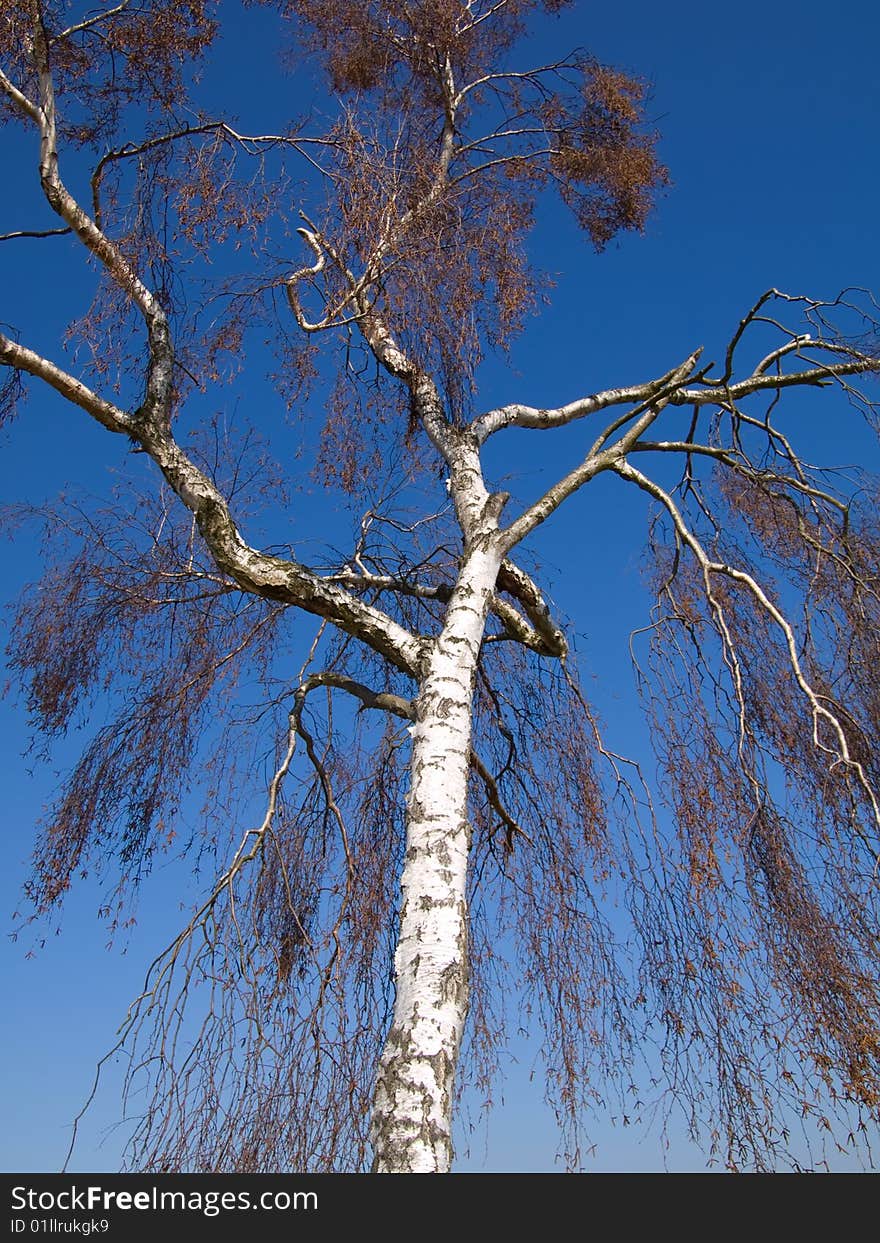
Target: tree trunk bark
[412,1108]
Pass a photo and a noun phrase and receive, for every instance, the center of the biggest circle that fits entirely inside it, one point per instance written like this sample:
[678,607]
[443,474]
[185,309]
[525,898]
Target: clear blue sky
[769,115]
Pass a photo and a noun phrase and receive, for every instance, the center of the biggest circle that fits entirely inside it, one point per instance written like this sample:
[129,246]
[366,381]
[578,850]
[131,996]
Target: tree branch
[535,417]
[551,640]
[271,577]
[159,385]
[90,22]
[247,141]
[21,101]
[494,796]
[383,701]
[600,457]
[758,382]
[542,635]
[819,711]
[22,359]
[9,237]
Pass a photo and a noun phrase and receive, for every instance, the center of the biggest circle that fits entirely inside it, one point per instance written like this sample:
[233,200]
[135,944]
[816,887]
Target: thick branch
[23,359]
[383,701]
[513,580]
[159,377]
[532,416]
[275,578]
[21,101]
[758,382]
[601,457]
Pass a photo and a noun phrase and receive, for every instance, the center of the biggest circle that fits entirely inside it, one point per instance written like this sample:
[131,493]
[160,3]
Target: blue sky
[769,116]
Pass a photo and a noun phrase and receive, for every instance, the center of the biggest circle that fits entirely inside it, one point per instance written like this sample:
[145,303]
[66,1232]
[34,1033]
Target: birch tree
[350,948]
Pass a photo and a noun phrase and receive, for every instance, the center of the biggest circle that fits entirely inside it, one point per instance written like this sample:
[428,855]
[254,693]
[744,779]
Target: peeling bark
[412,1112]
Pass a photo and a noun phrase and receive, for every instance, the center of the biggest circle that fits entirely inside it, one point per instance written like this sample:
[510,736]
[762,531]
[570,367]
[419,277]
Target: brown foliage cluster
[831,562]
[548,854]
[141,56]
[452,279]
[354,436]
[772,875]
[287,1048]
[436,247]
[169,206]
[194,679]
[130,617]
[369,46]
[606,168]
[437,162]
[168,191]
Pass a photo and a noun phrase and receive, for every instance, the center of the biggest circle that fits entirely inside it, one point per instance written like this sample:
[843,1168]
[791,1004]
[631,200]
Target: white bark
[413,1102]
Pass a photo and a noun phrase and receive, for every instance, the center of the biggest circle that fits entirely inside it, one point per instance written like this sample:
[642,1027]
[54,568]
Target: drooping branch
[511,827]
[250,143]
[840,752]
[272,577]
[760,864]
[296,925]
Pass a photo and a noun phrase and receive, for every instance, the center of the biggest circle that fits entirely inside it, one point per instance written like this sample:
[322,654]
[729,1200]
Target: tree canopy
[408,709]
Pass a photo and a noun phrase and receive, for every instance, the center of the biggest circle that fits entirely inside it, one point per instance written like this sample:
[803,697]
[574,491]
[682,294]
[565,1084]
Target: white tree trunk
[412,1111]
